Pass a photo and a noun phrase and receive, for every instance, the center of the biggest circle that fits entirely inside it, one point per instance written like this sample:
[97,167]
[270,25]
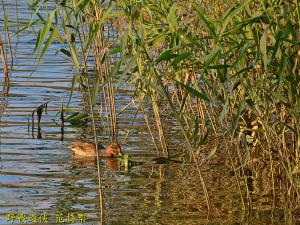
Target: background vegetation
[227,72]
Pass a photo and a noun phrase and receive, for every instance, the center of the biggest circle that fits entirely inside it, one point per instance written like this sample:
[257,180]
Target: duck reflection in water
[85,154]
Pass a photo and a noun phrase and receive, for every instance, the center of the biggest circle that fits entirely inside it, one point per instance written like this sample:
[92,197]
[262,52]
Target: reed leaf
[227,18]
[180,58]
[237,118]
[211,57]
[97,26]
[44,31]
[194,92]
[48,43]
[263,47]
[208,24]
[165,56]
[172,18]
[82,4]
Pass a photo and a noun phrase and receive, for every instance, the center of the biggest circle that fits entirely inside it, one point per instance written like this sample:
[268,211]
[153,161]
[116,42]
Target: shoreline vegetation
[228,74]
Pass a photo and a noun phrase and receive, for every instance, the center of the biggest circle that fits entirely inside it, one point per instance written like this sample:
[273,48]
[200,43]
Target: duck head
[114,149]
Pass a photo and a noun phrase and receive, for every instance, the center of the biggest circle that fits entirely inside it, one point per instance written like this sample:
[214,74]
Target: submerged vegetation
[229,77]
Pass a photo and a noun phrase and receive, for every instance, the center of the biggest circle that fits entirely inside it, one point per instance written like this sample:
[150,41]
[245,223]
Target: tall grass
[236,72]
[78,26]
[226,75]
[5,48]
[4,62]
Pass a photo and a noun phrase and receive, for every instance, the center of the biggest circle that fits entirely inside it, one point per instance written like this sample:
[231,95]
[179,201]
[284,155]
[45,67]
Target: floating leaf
[77,117]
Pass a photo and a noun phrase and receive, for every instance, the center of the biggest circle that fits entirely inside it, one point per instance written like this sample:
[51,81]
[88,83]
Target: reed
[4,62]
[229,75]
[243,67]
[5,48]
[78,25]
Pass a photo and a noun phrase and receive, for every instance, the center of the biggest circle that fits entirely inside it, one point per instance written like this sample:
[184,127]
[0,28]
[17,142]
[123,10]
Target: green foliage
[205,64]
[78,118]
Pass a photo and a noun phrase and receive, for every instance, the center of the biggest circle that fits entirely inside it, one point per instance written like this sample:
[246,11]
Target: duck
[82,148]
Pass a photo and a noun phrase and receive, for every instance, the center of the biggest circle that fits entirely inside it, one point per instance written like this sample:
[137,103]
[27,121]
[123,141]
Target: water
[40,176]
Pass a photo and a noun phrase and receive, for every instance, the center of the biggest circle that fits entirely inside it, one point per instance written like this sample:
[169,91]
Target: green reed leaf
[237,119]
[208,24]
[48,43]
[167,55]
[180,58]
[74,57]
[98,26]
[74,81]
[196,127]
[44,31]
[278,96]
[37,42]
[211,56]
[82,4]
[66,52]
[238,27]
[30,24]
[229,16]
[194,92]
[263,47]
[77,117]
[172,18]
[204,138]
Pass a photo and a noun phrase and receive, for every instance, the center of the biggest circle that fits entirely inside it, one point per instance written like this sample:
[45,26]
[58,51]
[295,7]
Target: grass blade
[44,31]
[48,43]
[237,119]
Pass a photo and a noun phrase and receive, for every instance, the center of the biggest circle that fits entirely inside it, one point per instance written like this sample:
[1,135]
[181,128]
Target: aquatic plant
[5,50]
[226,75]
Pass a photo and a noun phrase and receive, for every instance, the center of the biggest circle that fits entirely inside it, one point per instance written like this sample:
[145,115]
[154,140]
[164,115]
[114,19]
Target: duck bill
[71,147]
[117,155]
[120,153]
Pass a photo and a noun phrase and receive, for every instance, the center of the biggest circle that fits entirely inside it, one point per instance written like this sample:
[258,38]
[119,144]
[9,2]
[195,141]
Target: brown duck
[89,149]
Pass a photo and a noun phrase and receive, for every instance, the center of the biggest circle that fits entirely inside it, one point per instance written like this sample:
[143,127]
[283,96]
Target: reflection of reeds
[3,101]
[38,111]
[101,197]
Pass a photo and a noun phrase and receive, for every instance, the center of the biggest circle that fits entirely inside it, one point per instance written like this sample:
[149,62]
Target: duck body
[89,149]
